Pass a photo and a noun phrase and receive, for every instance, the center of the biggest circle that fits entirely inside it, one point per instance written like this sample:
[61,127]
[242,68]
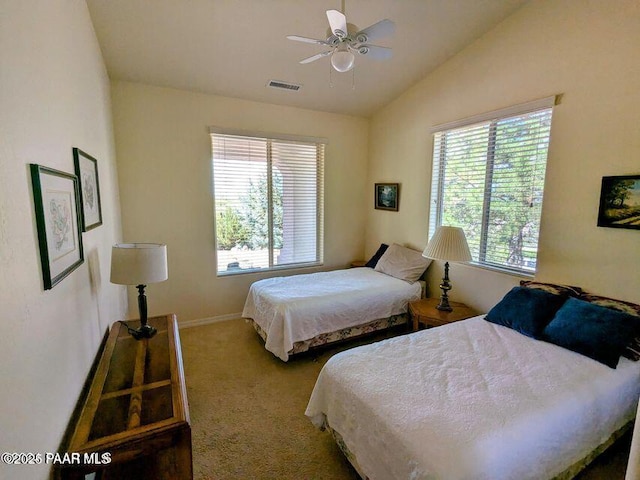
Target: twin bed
[295,313]
[534,390]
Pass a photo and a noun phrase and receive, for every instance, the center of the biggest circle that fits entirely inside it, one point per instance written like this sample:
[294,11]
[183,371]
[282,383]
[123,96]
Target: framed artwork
[87,172]
[55,197]
[620,202]
[387,196]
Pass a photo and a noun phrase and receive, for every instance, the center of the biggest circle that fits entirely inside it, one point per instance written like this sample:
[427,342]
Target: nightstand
[358,263]
[425,312]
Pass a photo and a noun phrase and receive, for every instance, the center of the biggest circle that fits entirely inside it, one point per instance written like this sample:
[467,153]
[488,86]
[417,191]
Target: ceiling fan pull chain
[353,78]
[330,76]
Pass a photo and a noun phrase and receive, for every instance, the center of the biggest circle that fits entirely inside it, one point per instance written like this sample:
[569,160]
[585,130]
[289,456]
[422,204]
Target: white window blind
[488,179]
[268,197]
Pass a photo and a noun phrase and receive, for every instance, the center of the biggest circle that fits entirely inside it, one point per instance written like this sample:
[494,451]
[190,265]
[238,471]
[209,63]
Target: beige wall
[164,166]
[589,52]
[54,95]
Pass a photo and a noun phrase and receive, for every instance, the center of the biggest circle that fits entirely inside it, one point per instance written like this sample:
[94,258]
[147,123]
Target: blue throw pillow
[526,310]
[597,332]
[373,261]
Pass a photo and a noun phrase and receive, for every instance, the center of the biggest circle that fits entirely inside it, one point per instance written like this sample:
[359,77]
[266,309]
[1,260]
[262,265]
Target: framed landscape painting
[87,172]
[620,202]
[55,198]
[387,196]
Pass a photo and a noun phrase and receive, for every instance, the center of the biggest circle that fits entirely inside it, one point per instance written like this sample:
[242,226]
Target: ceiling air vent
[283,85]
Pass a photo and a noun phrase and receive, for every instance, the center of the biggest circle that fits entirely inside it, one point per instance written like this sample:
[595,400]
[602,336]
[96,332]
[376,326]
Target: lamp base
[444,304]
[145,331]
[445,286]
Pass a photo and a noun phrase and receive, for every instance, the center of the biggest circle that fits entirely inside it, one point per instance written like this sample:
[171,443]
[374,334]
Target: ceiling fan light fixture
[342,60]
[345,40]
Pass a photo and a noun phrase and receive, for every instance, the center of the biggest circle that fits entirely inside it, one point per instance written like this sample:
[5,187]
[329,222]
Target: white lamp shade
[138,263]
[448,243]
[342,60]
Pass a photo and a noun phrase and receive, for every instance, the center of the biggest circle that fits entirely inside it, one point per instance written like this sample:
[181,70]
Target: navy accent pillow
[373,261]
[597,332]
[632,352]
[526,310]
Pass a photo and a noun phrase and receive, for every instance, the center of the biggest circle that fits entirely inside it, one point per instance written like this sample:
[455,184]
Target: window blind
[268,197]
[488,178]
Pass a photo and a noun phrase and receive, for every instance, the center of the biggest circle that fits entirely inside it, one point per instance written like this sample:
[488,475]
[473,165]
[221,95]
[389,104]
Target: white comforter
[471,400]
[299,307]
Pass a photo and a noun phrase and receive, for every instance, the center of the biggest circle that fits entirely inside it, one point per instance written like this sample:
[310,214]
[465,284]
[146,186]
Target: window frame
[269,138]
[439,166]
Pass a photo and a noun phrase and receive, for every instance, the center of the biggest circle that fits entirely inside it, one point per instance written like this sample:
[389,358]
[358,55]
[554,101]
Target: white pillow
[403,263]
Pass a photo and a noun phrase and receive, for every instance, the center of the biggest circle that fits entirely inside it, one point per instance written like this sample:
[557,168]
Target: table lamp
[448,244]
[139,264]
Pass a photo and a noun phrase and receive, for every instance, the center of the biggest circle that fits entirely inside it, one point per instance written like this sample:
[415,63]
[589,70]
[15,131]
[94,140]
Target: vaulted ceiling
[235,47]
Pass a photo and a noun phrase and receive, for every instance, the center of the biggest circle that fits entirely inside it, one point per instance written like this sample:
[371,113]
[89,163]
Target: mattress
[300,307]
[469,401]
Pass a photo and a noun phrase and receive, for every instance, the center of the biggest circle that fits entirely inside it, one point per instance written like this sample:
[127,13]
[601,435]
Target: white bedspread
[471,400]
[299,307]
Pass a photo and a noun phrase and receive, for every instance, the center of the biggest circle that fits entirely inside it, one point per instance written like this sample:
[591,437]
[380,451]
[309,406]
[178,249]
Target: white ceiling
[234,47]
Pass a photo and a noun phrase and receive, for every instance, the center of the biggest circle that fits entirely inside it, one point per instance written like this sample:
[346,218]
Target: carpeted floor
[247,411]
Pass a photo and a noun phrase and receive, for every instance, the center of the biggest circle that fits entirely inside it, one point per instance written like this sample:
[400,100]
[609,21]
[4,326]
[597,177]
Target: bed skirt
[340,335]
[577,467]
[568,474]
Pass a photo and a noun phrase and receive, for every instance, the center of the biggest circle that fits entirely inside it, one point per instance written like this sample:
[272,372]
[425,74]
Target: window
[268,198]
[488,179]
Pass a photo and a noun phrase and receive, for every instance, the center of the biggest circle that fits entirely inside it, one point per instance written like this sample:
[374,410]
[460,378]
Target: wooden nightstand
[424,311]
[358,263]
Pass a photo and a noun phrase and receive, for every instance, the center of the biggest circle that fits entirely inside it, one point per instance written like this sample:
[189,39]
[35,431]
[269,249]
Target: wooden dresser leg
[184,457]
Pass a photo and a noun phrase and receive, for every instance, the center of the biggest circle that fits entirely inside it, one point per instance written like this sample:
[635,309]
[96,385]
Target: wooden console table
[136,412]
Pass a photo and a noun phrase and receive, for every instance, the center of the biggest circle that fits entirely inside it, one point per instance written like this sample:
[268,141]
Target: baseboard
[206,321]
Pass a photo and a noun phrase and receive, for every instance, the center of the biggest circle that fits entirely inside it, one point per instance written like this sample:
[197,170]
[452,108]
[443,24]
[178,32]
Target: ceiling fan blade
[315,57]
[378,30]
[298,38]
[375,52]
[338,23]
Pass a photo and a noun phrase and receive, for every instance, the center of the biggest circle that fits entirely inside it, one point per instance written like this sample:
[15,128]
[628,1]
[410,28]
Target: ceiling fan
[345,39]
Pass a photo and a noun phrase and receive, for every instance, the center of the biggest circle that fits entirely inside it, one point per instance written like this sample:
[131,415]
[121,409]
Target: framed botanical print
[55,197]
[620,202]
[87,172]
[386,196]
